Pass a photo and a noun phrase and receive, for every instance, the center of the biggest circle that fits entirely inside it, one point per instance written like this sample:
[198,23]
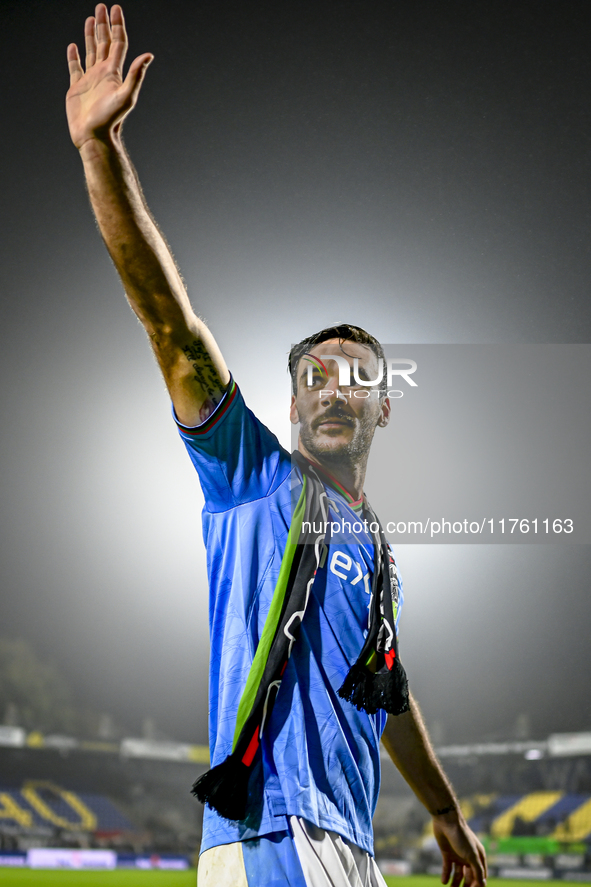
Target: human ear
[385,411]
[294,417]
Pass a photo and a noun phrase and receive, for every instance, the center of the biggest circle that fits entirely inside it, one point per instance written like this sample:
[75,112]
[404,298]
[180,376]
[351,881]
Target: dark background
[420,169]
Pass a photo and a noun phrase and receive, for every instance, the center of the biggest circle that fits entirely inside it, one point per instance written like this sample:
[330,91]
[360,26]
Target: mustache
[335,412]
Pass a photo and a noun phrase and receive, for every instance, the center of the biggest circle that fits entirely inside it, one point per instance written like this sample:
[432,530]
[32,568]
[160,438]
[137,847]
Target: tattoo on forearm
[206,374]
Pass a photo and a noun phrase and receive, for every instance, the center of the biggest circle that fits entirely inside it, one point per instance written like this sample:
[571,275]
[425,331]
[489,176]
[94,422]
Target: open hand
[99,99]
[463,854]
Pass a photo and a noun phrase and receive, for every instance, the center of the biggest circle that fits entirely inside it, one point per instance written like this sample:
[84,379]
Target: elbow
[167,325]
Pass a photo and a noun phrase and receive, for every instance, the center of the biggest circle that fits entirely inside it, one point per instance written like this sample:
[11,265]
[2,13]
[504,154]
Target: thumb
[135,75]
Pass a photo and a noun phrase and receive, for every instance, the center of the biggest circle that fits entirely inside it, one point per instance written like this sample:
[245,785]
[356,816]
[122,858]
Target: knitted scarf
[376,680]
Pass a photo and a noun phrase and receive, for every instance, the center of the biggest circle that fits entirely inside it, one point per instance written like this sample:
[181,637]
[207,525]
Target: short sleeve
[236,457]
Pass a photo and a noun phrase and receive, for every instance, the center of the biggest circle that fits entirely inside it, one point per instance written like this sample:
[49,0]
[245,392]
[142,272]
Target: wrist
[99,148]
[447,812]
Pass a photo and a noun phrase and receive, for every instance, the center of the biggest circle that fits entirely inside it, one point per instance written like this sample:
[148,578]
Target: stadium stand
[530,802]
[559,816]
[97,799]
[43,803]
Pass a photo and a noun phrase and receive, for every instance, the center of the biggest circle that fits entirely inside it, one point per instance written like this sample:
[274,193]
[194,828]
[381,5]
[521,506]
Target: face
[336,425]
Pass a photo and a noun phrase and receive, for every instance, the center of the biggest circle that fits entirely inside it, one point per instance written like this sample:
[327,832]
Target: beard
[346,454]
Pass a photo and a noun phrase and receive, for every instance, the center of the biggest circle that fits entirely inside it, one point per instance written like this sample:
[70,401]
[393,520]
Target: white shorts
[306,856]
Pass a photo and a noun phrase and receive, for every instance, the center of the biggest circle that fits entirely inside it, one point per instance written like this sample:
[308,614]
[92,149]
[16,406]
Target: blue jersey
[319,756]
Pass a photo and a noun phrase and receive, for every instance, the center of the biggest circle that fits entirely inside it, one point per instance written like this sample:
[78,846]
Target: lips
[333,420]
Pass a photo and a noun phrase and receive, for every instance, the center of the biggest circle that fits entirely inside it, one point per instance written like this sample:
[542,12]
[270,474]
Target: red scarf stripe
[355,504]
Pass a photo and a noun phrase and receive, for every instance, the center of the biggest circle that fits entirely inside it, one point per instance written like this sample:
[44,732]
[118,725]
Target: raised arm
[407,743]
[97,103]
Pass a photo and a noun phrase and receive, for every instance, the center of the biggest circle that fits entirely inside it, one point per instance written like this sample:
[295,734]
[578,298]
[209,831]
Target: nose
[331,394]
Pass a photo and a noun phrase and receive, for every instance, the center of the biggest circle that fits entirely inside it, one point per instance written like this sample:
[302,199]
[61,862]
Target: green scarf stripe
[272,621]
[339,487]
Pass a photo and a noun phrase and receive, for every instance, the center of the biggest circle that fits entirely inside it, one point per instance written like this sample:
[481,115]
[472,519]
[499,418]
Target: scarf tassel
[357,687]
[369,692]
[225,788]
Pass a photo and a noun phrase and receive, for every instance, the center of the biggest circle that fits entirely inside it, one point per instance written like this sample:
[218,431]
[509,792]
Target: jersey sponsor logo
[342,565]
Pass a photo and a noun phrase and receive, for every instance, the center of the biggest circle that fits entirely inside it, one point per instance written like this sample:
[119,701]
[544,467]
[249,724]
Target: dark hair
[344,331]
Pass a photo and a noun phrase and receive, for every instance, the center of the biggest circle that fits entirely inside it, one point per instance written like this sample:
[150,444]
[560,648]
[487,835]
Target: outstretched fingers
[105,39]
[118,49]
[74,65]
[90,41]
[103,33]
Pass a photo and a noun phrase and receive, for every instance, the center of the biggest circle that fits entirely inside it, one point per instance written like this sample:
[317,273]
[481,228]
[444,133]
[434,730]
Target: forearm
[141,256]
[407,742]
[190,360]
[98,101]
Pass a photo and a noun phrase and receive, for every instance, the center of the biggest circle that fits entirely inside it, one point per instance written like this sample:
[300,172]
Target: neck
[351,475]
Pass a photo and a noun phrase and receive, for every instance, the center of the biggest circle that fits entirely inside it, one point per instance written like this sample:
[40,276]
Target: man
[310,769]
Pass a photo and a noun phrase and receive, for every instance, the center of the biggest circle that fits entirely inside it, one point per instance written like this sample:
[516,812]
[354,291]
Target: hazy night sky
[420,169]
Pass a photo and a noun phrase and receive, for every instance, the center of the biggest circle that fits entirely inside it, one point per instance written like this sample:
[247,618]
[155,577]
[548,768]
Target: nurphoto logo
[318,373]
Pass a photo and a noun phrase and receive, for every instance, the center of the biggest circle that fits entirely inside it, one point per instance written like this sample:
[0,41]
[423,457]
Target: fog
[422,171]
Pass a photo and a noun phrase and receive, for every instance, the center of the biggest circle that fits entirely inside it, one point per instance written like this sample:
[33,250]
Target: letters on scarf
[376,680]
